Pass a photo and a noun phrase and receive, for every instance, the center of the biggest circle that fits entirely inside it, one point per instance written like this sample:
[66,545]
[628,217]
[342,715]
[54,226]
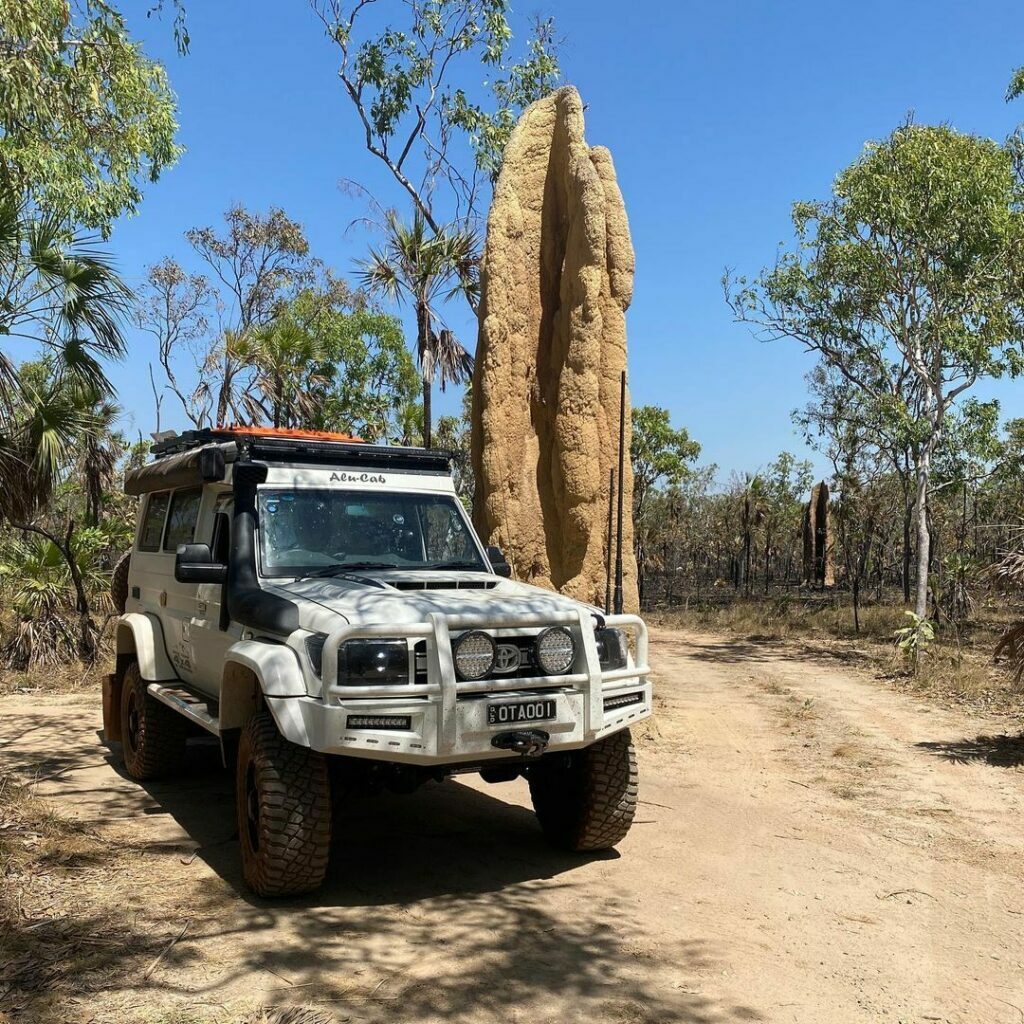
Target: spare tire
[119,583]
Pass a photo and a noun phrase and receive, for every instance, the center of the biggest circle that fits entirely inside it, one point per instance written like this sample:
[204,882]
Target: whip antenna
[608,546]
[622,454]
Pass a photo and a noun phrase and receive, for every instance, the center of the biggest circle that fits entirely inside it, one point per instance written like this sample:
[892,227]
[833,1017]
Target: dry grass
[956,670]
[75,677]
[71,922]
[846,750]
[786,617]
[80,917]
[261,1015]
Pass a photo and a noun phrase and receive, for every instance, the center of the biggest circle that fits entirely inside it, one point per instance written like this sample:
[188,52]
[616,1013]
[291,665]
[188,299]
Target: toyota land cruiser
[324,608]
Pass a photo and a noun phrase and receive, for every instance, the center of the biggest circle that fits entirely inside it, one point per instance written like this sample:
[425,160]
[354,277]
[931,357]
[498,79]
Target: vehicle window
[304,530]
[181,523]
[444,537]
[153,523]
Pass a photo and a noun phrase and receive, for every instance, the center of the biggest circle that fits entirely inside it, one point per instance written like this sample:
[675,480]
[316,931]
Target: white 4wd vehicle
[325,609]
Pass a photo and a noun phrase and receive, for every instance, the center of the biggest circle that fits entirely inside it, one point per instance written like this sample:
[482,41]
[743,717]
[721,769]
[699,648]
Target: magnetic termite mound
[556,280]
[819,549]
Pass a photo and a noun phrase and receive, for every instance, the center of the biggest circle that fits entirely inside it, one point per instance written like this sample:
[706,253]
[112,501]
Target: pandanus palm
[59,292]
[1009,573]
[62,295]
[424,268]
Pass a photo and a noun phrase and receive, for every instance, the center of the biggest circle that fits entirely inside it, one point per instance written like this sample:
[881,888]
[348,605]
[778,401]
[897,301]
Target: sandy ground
[810,847]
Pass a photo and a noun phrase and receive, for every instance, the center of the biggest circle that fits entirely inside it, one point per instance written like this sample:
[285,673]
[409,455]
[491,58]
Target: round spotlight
[556,651]
[474,655]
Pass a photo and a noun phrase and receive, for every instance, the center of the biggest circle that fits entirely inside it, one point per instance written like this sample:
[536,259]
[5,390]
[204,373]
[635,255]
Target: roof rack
[172,443]
[287,445]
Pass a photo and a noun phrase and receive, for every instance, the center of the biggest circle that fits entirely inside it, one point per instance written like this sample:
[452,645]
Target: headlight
[363,662]
[373,662]
[556,651]
[612,648]
[474,655]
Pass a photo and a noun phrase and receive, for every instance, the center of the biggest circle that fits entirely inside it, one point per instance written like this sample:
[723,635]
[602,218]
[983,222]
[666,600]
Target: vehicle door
[211,630]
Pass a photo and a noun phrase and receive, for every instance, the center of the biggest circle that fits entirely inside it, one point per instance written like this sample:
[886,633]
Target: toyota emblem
[507,658]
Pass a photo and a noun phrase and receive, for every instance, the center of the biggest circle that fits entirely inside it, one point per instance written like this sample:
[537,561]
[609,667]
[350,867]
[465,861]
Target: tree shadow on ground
[761,649]
[445,904]
[999,751]
[448,904]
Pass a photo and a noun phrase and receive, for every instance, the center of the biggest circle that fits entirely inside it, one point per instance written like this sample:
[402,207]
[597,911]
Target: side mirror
[498,563]
[193,563]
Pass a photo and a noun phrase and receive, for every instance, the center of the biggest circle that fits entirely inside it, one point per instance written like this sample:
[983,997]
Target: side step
[193,706]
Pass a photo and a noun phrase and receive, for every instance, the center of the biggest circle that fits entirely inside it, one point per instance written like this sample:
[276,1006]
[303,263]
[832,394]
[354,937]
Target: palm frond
[76,366]
[378,275]
[446,360]
[1009,570]
[1011,647]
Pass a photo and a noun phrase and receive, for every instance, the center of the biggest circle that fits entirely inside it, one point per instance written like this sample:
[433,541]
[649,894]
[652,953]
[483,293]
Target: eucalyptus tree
[909,283]
[322,365]
[424,267]
[412,75]
[85,116]
[660,454]
[201,323]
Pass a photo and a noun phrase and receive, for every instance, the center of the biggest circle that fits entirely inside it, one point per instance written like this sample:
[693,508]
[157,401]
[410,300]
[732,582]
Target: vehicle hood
[326,603]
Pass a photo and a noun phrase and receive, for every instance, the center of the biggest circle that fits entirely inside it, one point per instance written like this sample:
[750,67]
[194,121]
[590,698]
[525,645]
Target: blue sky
[718,116]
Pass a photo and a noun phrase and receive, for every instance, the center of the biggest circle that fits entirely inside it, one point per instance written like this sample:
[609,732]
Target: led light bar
[623,700]
[395,722]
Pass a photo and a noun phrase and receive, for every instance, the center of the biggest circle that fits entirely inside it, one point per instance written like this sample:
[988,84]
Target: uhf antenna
[608,546]
[622,455]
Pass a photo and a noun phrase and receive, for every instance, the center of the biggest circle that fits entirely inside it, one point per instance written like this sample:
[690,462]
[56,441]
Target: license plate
[520,712]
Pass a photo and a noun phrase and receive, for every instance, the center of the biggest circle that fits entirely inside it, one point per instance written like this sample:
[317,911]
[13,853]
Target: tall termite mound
[819,549]
[556,280]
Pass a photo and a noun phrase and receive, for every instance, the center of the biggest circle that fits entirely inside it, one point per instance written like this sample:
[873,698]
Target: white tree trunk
[923,474]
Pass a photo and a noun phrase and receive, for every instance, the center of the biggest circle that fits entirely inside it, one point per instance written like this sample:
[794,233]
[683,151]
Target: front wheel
[284,811]
[586,799]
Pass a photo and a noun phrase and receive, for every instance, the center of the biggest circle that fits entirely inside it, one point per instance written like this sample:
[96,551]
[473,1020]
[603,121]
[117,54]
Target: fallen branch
[907,892]
[152,967]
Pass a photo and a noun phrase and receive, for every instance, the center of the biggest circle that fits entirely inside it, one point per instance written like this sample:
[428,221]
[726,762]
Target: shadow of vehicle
[443,839]
[445,904]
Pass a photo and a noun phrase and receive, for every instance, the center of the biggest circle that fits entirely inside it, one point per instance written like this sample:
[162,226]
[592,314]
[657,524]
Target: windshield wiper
[341,568]
[455,565]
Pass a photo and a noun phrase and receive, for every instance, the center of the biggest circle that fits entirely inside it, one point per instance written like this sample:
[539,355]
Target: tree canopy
[412,83]
[659,452]
[85,116]
[908,283]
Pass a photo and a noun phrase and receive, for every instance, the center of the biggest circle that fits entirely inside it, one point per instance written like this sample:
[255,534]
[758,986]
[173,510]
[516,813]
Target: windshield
[320,531]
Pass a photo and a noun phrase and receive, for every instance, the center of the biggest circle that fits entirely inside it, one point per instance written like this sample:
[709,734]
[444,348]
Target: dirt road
[811,848]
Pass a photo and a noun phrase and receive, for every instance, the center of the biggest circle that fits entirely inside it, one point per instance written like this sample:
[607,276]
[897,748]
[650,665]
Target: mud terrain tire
[152,735]
[119,582]
[283,795]
[586,800]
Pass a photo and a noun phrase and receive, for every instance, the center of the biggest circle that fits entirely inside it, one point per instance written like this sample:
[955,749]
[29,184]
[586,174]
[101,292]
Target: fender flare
[141,636]
[253,670]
